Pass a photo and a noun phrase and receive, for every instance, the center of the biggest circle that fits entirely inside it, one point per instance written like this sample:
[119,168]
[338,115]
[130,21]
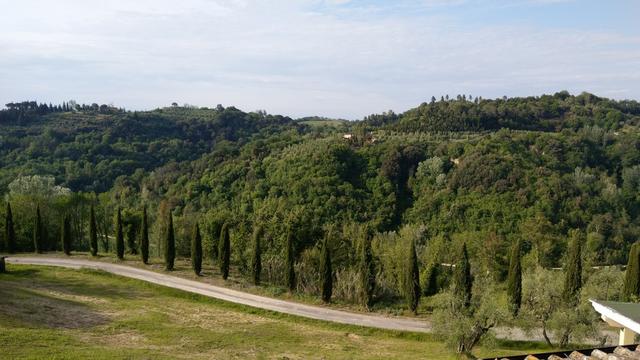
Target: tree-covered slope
[484,172]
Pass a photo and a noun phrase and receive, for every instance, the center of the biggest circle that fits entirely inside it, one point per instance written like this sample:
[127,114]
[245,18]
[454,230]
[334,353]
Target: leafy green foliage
[37,232]
[631,289]
[9,231]
[514,279]
[487,173]
[196,250]
[66,235]
[93,233]
[144,239]
[545,113]
[326,270]
[411,285]
[224,251]
[256,259]
[119,236]
[462,280]
[290,259]
[169,245]
[573,271]
[367,271]
[463,326]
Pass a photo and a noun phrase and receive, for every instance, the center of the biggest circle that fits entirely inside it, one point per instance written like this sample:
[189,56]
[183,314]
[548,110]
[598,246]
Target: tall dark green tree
[169,245]
[573,269]
[256,260]
[431,286]
[224,251]
[196,250]
[38,244]
[631,290]
[290,258]
[144,239]
[326,271]
[412,279]
[93,233]
[66,235]
[514,279]
[367,271]
[119,236]
[9,231]
[462,280]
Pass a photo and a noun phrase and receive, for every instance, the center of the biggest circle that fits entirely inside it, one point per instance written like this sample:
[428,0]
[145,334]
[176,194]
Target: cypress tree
[431,279]
[256,261]
[412,279]
[224,251]
[9,231]
[326,271]
[144,241]
[462,280]
[169,246]
[290,273]
[66,235]
[119,236]
[196,250]
[573,269]
[37,232]
[93,233]
[367,271]
[514,279]
[631,290]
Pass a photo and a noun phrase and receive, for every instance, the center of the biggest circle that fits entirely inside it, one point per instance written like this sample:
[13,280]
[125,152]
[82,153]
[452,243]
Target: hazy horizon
[332,58]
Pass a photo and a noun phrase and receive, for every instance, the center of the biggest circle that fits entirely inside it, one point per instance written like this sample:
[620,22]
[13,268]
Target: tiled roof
[626,352]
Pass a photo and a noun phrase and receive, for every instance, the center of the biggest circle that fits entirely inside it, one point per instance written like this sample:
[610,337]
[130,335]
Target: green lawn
[48,312]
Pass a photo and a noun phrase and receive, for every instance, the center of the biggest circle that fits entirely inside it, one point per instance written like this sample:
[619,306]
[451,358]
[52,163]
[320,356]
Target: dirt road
[239,297]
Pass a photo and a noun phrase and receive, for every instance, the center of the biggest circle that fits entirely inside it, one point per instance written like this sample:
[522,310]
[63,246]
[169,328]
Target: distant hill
[484,172]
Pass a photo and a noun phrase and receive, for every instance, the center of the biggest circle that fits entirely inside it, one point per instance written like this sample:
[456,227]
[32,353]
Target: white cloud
[326,57]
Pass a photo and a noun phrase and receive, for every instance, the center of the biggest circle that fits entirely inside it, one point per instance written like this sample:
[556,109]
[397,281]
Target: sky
[334,58]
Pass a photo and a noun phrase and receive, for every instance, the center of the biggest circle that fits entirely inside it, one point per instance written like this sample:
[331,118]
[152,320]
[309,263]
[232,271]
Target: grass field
[211,275]
[48,312]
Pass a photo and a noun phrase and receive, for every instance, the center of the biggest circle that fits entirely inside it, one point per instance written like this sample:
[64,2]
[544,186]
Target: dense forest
[489,174]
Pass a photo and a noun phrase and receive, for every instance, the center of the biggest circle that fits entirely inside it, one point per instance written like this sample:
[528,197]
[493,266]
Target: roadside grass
[55,313]
[238,281]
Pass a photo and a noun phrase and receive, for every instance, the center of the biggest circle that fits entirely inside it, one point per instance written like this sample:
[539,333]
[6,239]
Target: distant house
[621,315]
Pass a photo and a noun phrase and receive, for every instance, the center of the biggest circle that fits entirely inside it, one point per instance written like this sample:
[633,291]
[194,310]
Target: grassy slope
[62,313]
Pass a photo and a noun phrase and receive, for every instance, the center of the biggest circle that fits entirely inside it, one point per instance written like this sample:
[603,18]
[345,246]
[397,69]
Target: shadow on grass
[20,273]
[36,309]
[72,282]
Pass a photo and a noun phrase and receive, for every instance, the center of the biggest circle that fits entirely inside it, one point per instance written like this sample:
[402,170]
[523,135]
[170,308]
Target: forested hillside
[483,172]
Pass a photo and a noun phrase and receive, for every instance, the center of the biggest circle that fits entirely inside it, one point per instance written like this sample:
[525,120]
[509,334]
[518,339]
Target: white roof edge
[615,316]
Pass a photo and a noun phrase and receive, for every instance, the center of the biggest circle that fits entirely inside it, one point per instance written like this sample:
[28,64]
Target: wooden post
[2,265]
[627,337]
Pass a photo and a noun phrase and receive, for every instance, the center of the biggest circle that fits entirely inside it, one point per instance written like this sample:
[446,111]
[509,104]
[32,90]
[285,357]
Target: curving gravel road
[239,297]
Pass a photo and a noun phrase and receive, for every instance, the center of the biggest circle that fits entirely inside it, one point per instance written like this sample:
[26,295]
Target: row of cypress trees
[462,280]
[223,251]
[39,233]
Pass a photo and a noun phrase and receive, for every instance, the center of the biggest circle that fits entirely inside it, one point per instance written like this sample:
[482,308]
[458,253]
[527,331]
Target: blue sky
[336,58]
